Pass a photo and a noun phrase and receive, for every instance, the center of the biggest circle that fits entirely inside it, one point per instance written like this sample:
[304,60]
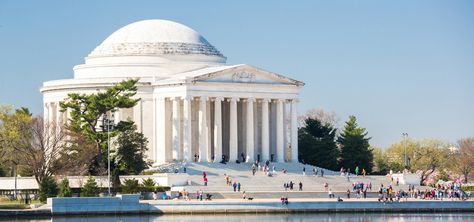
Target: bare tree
[330,118]
[465,162]
[77,155]
[40,146]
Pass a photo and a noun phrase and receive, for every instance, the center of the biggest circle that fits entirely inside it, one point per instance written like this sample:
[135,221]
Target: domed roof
[154,37]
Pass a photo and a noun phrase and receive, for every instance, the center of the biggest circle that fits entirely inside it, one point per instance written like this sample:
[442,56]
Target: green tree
[47,188]
[317,144]
[90,189]
[131,148]
[429,156]
[64,189]
[148,182]
[355,147]
[130,186]
[87,109]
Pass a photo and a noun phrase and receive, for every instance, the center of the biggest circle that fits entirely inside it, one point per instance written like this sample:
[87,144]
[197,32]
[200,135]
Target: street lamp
[405,160]
[108,125]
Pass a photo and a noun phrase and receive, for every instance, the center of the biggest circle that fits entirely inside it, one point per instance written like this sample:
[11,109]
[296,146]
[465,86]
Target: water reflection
[343,217]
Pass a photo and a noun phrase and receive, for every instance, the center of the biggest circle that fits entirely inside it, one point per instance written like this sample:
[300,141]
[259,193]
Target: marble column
[160,131]
[233,142]
[250,131]
[176,118]
[187,133]
[279,131]
[203,130]
[265,130]
[50,115]
[294,131]
[218,129]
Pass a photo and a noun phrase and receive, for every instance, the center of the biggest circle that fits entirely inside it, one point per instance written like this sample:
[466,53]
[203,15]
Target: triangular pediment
[245,74]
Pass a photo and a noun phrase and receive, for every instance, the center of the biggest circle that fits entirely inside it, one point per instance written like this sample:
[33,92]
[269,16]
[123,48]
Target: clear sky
[398,66]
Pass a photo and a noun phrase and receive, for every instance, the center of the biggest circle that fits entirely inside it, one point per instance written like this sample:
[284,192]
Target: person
[330,194]
[205,181]
[204,174]
[285,186]
[322,173]
[184,169]
[200,194]
[357,170]
[363,172]
[235,186]
[238,186]
[326,186]
[348,194]
[300,186]
[244,195]
[291,185]
[397,181]
[339,199]
[197,195]
[304,171]
[155,195]
[314,172]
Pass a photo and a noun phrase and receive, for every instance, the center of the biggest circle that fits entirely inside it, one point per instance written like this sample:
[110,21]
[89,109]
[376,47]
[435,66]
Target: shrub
[90,189]
[130,186]
[155,188]
[64,189]
[467,187]
[148,183]
[47,188]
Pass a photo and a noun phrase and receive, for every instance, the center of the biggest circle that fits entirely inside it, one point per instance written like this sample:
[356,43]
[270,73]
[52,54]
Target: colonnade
[208,129]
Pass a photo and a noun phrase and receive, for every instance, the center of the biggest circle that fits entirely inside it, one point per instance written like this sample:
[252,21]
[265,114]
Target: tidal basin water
[336,217]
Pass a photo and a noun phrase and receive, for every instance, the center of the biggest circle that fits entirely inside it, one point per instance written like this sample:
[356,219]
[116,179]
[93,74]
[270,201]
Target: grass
[15,204]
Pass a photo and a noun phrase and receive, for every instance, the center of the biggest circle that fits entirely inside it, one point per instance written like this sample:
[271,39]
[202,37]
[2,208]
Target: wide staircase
[262,186]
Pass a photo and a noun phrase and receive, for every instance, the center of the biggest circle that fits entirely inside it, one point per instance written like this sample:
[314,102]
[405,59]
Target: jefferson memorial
[193,106]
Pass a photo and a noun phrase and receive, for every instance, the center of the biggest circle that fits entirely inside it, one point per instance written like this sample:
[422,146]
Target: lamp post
[108,125]
[405,161]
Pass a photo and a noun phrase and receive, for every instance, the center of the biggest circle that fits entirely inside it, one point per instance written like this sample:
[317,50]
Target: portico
[246,130]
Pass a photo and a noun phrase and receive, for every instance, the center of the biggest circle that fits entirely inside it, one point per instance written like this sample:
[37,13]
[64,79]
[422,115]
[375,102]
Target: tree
[465,162]
[131,147]
[317,146]
[87,109]
[326,118]
[130,186]
[77,156]
[90,188]
[148,182]
[64,189]
[355,148]
[47,188]
[430,155]
[30,143]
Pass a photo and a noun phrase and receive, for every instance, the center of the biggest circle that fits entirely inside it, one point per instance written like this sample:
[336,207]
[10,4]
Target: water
[339,217]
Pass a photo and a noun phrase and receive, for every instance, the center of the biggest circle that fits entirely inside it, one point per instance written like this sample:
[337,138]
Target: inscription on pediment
[243,77]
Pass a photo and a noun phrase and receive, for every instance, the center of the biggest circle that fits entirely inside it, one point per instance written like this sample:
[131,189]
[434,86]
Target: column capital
[202,98]
[233,99]
[266,100]
[293,101]
[250,99]
[279,100]
[187,97]
[177,98]
[219,99]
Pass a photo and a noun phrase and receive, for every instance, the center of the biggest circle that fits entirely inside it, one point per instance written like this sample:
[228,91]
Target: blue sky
[398,66]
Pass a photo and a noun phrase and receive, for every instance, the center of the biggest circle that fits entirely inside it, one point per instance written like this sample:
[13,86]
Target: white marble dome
[149,49]
[155,36]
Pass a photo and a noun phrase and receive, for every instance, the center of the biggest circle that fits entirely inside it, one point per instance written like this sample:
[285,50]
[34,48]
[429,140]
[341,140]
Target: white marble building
[192,102]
